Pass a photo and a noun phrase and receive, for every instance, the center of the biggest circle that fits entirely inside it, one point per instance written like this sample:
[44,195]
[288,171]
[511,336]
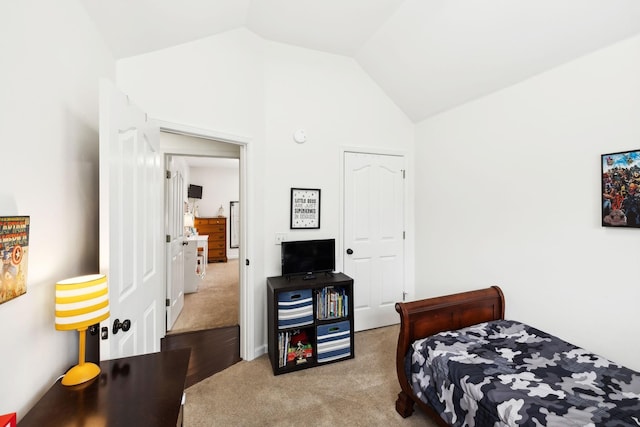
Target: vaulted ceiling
[427,55]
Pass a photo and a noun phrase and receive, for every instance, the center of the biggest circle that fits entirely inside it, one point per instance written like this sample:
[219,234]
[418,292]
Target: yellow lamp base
[81,373]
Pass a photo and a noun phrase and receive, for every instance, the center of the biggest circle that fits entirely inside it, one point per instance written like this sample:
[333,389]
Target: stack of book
[332,303]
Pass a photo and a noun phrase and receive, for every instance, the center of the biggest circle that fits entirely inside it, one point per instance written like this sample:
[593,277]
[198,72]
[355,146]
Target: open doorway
[211,261]
[207,142]
[210,321]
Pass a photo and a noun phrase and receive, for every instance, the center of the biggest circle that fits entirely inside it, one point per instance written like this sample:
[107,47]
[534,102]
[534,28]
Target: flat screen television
[194,191]
[308,257]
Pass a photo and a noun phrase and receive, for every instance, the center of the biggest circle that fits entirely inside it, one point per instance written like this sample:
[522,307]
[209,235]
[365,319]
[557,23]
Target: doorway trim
[247,320]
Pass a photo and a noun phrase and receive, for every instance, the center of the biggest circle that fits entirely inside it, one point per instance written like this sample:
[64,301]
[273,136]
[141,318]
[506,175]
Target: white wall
[338,106]
[220,185]
[508,193]
[52,59]
[239,84]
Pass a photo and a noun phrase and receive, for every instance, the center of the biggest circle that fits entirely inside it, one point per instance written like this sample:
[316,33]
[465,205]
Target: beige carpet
[356,392]
[216,304]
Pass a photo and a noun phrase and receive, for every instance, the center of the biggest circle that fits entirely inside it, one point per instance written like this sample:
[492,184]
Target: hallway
[216,304]
[208,323]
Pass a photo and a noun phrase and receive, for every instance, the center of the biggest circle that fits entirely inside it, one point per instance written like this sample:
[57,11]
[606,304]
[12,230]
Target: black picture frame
[234,224]
[305,208]
[620,189]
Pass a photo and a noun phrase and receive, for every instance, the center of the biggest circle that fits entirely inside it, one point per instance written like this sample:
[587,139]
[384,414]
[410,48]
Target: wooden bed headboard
[420,319]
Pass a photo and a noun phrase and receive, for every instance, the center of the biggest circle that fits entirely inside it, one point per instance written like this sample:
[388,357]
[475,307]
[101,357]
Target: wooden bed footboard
[419,319]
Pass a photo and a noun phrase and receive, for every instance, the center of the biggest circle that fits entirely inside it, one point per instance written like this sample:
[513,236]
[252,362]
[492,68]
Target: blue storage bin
[333,341]
[295,308]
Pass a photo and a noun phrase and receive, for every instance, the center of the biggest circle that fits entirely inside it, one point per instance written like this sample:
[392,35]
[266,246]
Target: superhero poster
[14,247]
[621,189]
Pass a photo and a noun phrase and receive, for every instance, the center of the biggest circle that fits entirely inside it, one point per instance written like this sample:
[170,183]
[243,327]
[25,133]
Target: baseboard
[260,351]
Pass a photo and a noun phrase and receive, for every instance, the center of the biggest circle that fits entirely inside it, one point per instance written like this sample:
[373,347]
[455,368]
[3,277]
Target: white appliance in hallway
[195,265]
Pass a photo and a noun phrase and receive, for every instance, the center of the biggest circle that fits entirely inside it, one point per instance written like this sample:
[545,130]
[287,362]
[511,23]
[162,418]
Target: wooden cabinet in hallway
[216,229]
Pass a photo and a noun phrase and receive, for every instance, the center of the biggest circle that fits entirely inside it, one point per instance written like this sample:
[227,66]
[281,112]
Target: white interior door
[131,229]
[374,235]
[174,191]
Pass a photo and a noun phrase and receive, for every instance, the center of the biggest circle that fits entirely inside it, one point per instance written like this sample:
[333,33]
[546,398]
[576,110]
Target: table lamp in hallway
[81,302]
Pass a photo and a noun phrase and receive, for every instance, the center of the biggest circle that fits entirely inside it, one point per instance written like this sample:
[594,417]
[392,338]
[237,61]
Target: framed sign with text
[305,208]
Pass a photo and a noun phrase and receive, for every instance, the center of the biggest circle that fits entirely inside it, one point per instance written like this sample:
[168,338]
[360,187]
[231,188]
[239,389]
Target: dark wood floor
[212,350]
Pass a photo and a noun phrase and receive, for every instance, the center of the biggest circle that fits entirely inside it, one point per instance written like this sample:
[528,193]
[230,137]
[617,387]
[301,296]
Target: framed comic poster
[621,189]
[14,247]
[305,208]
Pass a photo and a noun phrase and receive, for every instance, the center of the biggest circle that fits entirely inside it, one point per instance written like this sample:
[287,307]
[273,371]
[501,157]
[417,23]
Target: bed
[462,363]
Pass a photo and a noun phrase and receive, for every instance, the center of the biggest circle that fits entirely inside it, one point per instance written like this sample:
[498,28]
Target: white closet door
[373,235]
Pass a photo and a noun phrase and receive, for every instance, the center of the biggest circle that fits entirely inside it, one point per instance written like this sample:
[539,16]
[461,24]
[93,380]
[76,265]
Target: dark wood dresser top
[140,391]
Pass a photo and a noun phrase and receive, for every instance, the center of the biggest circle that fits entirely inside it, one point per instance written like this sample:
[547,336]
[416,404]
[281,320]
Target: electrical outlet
[280,237]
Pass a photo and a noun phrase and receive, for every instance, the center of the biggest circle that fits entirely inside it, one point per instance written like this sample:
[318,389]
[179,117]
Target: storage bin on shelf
[295,308]
[333,341]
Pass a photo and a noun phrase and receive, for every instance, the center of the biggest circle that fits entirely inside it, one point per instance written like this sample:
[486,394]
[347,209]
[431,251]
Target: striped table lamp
[81,302]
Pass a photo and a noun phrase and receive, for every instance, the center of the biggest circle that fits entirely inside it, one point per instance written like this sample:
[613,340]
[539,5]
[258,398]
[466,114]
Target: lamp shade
[188,220]
[81,302]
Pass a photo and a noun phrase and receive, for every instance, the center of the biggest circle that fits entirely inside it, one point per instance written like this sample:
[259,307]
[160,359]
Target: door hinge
[167,302]
[168,238]
[403,174]
[168,174]
[404,235]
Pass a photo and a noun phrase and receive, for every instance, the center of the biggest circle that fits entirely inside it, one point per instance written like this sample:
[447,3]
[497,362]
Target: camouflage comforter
[505,373]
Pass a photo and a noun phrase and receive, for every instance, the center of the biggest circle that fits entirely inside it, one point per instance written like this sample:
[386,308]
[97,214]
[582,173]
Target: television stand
[317,313]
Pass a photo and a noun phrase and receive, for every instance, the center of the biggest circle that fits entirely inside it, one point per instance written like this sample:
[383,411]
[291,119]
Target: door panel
[174,209]
[131,231]
[150,332]
[373,230]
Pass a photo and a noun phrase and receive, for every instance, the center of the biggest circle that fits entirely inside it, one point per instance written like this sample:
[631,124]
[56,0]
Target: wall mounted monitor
[194,191]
